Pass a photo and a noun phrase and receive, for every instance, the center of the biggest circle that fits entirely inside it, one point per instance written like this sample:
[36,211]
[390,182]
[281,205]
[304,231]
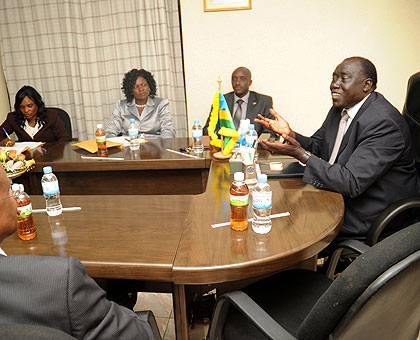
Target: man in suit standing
[56,292]
[362,150]
[245,104]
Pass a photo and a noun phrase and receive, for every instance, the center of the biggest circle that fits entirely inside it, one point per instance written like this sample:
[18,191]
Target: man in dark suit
[56,292]
[250,103]
[371,164]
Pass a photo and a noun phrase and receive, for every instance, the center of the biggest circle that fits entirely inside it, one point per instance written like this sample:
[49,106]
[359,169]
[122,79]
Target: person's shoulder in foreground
[56,292]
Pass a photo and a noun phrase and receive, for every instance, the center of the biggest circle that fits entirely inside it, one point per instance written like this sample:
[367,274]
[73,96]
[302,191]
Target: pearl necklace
[141,105]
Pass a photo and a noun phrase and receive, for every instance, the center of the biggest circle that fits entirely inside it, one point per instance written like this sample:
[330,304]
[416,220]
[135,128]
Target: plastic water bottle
[26,225]
[133,133]
[239,201]
[197,135]
[101,141]
[51,192]
[261,205]
[251,137]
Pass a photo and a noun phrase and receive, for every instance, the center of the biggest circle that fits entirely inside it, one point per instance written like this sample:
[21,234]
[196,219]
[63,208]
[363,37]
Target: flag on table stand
[221,124]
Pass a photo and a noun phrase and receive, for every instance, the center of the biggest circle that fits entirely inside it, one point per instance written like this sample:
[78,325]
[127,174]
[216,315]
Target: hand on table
[7,142]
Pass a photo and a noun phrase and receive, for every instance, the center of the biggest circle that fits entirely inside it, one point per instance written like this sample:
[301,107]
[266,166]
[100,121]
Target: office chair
[411,113]
[376,297]
[66,120]
[32,332]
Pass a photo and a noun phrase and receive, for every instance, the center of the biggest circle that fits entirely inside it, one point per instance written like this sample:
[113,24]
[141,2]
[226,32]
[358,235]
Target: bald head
[8,219]
[241,81]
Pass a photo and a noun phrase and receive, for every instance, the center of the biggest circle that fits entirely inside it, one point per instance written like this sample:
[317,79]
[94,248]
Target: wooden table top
[151,156]
[126,237]
[170,238]
[214,255]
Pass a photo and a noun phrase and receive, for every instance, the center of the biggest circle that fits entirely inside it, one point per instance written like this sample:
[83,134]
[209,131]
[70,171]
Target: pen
[103,158]
[182,153]
[217,225]
[38,211]
[7,135]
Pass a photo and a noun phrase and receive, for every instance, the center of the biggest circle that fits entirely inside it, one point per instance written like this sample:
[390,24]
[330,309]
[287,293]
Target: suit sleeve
[378,147]
[167,129]
[7,126]
[92,316]
[114,126]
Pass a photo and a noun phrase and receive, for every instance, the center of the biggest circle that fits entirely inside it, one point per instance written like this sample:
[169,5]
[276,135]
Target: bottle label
[197,133]
[26,210]
[101,139]
[133,132]
[239,201]
[50,188]
[262,200]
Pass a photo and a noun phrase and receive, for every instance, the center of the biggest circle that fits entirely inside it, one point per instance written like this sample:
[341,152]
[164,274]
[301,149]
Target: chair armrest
[253,312]
[388,215]
[353,245]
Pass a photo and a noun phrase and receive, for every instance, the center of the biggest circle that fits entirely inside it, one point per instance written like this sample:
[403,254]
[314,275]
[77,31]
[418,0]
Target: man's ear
[368,85]
[250,82]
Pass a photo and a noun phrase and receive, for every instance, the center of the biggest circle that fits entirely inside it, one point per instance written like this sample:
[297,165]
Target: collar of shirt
[352,111]
[32,131]
[2,252]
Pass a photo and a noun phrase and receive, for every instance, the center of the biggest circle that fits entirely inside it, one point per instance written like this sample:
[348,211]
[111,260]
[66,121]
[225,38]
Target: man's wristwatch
[305,158]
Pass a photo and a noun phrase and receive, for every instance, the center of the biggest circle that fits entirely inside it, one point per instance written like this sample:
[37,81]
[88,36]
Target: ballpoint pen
[7,135]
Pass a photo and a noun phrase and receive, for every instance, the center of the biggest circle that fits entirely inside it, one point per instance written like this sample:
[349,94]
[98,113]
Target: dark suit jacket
[374,166]
[257,104]
[56,292]
[53,131]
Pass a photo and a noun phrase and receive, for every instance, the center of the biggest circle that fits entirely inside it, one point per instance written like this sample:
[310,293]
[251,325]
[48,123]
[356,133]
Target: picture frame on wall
[226,5]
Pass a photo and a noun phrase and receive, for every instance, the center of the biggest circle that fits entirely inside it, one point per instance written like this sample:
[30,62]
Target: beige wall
[4,98]
[292,48]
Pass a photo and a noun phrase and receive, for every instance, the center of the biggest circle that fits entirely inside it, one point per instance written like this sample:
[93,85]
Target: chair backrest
[32,332]
[389,268]
[411,113]
[65,118]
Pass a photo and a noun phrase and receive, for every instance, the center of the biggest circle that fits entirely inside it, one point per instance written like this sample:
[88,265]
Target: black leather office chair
[376,297]
[66,120]
[31,332]
[405,209]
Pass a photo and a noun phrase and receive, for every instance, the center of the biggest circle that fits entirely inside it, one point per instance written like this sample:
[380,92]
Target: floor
[162,307]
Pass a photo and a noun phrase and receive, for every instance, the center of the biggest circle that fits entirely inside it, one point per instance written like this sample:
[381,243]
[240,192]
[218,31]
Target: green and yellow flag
[221,124]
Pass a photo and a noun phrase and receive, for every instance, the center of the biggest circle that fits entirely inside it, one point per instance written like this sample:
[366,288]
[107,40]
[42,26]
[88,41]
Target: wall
[292,48]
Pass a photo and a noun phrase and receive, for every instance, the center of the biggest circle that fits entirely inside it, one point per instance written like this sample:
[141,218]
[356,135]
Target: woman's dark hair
[130,80]
[30,92]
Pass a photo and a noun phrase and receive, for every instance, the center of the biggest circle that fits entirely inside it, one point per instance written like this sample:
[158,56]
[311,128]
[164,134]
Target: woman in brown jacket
[31,121]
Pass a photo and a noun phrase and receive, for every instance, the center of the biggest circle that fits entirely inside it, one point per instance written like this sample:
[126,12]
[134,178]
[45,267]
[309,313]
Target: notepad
[23,146]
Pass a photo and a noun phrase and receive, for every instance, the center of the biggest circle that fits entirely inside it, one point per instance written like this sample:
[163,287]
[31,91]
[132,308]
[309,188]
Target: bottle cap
[15,187]
[262,178]
[132,120]
[251,127]
[21,187]
[99,126]
[47,169]
[238,176]
[196,121]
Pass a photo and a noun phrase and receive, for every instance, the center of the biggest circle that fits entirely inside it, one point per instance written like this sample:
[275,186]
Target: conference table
[168,238]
